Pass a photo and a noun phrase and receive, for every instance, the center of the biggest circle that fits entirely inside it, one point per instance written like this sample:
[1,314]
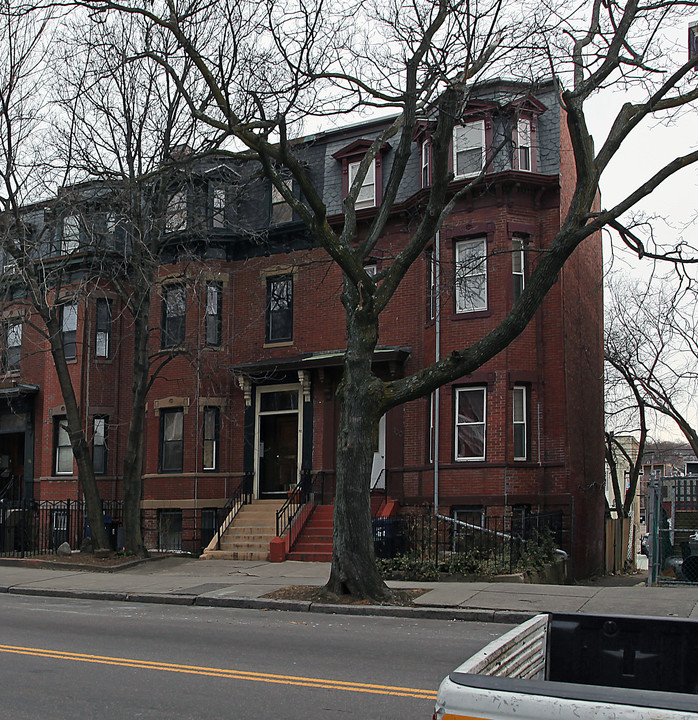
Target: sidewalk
[223,583]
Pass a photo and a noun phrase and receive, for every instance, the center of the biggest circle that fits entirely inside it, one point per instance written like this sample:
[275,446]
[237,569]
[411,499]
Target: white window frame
[463,136]
[461,393]
[63,460]
[367,193]
[99,440]
[519,420]
[426,163]
[524,151]
[210,441]
[467,277]
[518,267]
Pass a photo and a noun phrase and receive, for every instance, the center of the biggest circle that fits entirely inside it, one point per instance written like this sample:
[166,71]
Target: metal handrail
[242,495]
[287,513]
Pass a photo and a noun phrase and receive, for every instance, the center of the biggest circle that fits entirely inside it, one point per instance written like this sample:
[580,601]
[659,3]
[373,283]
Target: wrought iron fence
[496,544]
[28,527]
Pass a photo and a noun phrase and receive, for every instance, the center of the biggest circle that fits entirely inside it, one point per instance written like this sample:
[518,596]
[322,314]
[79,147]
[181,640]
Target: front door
[278,440]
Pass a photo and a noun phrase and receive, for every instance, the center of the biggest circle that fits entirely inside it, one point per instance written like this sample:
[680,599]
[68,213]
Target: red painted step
[314,544]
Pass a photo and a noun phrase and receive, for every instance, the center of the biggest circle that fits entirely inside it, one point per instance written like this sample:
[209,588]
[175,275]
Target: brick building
[252,310]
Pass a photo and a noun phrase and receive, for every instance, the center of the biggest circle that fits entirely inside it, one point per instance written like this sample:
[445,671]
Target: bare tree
[651,352]
[269,66]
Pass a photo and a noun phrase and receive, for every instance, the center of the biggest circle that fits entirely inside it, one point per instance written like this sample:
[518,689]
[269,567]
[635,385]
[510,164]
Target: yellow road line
[222,672]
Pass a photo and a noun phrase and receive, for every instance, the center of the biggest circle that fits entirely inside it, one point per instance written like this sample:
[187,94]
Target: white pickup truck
[559,666]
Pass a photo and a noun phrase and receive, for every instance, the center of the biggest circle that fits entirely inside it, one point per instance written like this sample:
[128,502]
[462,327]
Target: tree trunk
[79,446]
[354,568]
[133,459]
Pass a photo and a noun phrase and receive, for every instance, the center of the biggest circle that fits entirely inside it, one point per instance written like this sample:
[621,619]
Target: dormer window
[469,149]
[523,144]
[217,205]
[426,163]
[176,213]
[367,193]
[281,211]
[371,190]
[71,234]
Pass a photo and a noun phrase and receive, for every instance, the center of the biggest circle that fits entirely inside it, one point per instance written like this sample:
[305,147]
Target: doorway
[278,440]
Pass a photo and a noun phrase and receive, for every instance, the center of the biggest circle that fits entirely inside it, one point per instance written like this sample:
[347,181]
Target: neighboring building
[256,306]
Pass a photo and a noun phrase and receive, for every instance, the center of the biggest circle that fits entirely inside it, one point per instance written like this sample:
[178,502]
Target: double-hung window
[431,289]
[69,330]
[279,315]
[281,211]
[63,453]
[99,444]
[11,346]
[176,212]
[523,132]
[171,440]
[367,193]
[102,328]
[471,418]
[471,275]
[174,308]
[213,314]
[468,149]
[426,163]
[517,267]
[70,241]
[519,406]
[211,434]
[218,202]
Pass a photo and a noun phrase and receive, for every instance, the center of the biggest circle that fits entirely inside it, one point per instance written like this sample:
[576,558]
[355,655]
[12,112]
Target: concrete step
[313,547]
[309,557]
[235,555]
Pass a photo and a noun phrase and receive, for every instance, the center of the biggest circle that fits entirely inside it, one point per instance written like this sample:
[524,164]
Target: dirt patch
[83,561]
[310,593]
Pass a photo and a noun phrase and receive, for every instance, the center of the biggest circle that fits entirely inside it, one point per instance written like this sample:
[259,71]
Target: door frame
[260,390]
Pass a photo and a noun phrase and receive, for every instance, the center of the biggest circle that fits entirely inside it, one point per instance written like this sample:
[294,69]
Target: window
[279,321]
[69,330]
[176,213]
[11,346]
[468,149]
[170,530]
[281,211]
[367,193]
[471,275]
[172,440]
[174,307]
[426,169]
[431,445]
[213,314]
[218,206]
[63,453]
[99,445]
[432,297]
[470,423]
[523,132]
[71,234]
[517,267]
[102,328]
[519,423]
[211,433]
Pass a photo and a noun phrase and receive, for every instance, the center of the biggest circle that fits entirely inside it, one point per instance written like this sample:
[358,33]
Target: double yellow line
[223,673]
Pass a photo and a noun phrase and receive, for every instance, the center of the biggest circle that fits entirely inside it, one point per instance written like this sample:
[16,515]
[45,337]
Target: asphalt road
[90,659]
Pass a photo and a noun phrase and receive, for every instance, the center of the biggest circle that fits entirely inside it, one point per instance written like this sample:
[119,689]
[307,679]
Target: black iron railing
[495,543]
[28,527]
[242,495]
[297,498]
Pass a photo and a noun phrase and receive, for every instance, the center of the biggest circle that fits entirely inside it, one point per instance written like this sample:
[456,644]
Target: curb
[409,613]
